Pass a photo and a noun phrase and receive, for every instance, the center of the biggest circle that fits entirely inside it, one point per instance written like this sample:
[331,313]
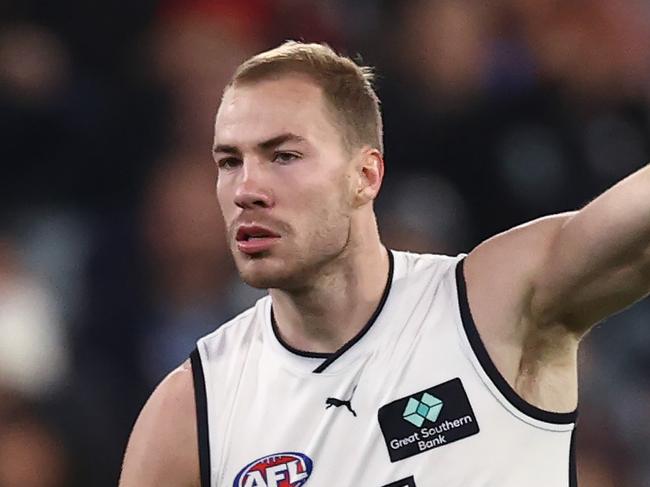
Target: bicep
[558,270]
[586,276]
[162,449]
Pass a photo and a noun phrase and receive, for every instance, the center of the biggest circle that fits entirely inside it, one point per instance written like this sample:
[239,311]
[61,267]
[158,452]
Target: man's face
[284,181]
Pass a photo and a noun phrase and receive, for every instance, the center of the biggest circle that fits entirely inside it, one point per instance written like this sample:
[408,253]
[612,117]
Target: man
[365,366]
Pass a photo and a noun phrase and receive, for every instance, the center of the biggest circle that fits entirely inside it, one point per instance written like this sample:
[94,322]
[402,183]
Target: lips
[253,239]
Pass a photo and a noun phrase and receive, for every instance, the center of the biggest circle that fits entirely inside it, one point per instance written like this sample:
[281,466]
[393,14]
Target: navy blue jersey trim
[490,369]
[368,325]
[329,358]
[573,474]
[302,353]
[201,417]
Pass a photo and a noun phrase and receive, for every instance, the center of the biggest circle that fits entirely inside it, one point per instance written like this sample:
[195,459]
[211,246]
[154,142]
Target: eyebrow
[265,145]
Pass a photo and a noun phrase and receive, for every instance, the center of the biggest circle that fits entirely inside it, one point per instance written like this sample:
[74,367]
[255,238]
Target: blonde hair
[347,87]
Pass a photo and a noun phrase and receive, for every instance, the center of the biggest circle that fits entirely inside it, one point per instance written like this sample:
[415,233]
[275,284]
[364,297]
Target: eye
[285,157]
[228,163]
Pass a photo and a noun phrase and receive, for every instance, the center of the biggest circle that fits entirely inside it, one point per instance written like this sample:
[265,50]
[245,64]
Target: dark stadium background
[112,261]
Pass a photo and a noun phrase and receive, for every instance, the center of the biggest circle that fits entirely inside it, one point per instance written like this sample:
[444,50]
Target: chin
[288,270]
[267,280]
[263,273]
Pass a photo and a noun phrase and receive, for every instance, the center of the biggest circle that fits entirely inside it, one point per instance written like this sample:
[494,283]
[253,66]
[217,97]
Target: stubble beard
[295,270]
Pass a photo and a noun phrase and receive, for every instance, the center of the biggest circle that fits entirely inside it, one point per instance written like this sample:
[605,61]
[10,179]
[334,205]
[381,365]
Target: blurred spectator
[595,48]
[423,214]
[34,64]
[597,465]
[446,46]
[194,54]
[31,453]
[68,139]
[33,350]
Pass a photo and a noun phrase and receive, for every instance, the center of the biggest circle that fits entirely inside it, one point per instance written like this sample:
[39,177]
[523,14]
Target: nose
[252,191]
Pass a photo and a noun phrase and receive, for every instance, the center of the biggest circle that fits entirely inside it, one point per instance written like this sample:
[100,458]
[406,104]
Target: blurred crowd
[112,256]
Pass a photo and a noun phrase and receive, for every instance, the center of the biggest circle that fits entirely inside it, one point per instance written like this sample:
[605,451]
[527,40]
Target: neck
[331,311]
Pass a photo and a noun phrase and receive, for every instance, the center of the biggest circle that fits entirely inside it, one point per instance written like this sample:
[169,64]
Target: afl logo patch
[288,469]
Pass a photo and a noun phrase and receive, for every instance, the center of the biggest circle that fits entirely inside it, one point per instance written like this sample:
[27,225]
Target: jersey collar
[320,362]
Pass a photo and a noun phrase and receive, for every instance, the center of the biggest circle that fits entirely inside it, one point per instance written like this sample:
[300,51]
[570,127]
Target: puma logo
[332,401]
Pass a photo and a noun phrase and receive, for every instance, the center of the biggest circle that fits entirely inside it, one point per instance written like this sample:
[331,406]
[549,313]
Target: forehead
[260,110]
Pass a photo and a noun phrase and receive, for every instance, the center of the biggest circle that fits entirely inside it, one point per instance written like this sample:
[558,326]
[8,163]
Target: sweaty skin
[534,291]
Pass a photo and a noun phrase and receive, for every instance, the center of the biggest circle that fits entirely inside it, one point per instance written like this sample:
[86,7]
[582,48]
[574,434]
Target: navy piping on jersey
[201,417]
[490,369]
[302,353]
[573,475]
[331,357]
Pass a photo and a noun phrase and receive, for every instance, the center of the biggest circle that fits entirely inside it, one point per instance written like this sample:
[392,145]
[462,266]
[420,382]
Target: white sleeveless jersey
[413,400]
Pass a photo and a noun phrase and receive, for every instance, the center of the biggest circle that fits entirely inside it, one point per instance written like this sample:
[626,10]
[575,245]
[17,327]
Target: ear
[370,171]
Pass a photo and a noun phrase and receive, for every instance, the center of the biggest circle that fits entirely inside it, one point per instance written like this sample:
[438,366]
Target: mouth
[253,239]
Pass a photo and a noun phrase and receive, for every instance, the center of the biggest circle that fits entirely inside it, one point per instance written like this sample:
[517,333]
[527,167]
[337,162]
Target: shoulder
[239,329]
[163,448]
[413,267]
[501,272]
[528,243]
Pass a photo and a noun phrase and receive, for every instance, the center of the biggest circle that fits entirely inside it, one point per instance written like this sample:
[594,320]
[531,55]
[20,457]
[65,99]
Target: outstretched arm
[163,448]
[570,270]
[598,260]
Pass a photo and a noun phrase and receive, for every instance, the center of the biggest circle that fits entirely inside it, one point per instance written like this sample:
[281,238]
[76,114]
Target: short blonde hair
[346,86]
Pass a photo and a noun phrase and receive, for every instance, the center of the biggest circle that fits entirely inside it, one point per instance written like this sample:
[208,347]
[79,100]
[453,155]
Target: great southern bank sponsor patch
[427,419]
